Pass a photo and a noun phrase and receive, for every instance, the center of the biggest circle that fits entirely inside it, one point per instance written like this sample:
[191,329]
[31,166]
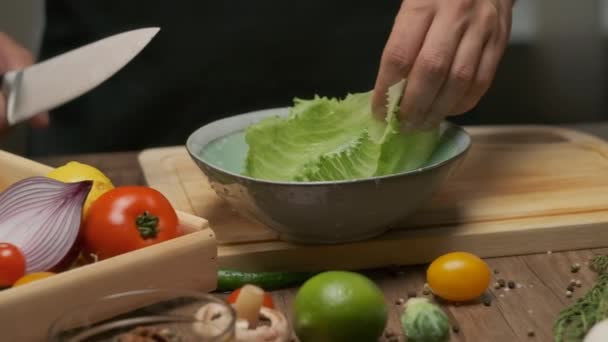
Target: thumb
[40,120]
[12,57]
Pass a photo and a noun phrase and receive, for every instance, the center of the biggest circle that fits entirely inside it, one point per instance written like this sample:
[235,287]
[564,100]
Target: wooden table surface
[532,306]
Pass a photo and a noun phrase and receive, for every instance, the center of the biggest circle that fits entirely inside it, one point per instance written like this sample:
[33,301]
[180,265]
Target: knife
[44,86]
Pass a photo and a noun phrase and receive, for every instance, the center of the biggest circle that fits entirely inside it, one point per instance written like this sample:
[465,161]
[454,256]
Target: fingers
[14,57]
[40,120]
[431,67]
[460,77]
[448,51]
[404,43]
[484,76]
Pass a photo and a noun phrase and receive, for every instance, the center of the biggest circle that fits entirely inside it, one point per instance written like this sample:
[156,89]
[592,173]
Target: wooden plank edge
[151,156]
[515,237]
[15,167]
[150,161]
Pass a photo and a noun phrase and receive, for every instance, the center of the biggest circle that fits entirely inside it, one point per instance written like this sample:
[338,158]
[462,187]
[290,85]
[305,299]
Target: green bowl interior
[222,145]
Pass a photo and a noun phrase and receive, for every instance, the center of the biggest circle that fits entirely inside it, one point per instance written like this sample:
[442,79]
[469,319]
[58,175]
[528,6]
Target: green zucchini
[230,280]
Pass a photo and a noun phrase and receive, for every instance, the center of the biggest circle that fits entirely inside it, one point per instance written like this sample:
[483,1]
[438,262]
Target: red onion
[42,217]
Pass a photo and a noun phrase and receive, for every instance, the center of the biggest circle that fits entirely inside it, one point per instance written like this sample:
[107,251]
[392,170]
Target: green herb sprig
[575,321]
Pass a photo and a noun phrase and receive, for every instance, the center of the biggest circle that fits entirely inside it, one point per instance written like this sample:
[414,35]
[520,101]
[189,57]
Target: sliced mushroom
[277,329]
[254,322]
[212,320]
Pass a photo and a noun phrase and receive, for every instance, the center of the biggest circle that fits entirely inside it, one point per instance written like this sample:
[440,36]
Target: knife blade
[60,79]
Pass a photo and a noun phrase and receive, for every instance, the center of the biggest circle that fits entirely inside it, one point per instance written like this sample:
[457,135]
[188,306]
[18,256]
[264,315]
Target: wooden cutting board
[521,189]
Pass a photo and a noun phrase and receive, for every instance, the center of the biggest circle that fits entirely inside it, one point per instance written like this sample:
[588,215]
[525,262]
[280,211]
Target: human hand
[448,50]
[13,56]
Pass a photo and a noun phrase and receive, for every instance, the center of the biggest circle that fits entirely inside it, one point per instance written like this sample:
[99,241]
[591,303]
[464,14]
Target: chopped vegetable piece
[42,217]
[424,321]
[277,330]
[151,334]
[268,302]
[248,304]
[213,319]
[12,264]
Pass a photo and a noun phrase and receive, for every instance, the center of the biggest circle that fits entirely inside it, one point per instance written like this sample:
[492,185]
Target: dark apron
[211,59]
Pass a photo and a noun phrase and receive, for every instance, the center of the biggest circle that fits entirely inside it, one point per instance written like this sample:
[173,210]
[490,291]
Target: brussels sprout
[423,321]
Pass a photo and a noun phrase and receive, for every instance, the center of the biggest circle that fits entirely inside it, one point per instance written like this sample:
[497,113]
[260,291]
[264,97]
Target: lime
[76,172]
[339,306]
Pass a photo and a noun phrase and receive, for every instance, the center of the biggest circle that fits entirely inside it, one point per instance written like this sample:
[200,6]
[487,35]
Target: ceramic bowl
[319,212]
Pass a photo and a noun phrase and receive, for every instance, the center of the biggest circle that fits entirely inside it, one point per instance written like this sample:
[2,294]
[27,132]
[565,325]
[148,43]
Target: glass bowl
[148,315]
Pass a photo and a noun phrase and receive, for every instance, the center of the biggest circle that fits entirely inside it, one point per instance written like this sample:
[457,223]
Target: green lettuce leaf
[324,139]
[403,151]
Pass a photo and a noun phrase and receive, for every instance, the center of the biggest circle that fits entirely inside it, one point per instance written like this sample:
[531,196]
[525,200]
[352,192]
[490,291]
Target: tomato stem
[147,225]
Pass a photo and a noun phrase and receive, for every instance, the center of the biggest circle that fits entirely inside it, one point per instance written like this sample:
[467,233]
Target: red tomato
[267,299]
[128,218]
[12,264]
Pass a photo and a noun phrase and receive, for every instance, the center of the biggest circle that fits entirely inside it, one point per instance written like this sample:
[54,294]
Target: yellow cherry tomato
[458,276]
[34,276]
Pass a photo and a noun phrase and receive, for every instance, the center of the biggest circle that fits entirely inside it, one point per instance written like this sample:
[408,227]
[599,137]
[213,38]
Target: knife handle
[2,86]
[3,90]
[10,81]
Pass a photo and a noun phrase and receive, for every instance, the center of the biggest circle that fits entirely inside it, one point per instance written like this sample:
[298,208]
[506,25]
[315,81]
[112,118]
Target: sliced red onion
[42,217]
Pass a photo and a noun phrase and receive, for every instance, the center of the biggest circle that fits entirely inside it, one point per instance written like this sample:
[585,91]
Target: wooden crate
[188,262]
